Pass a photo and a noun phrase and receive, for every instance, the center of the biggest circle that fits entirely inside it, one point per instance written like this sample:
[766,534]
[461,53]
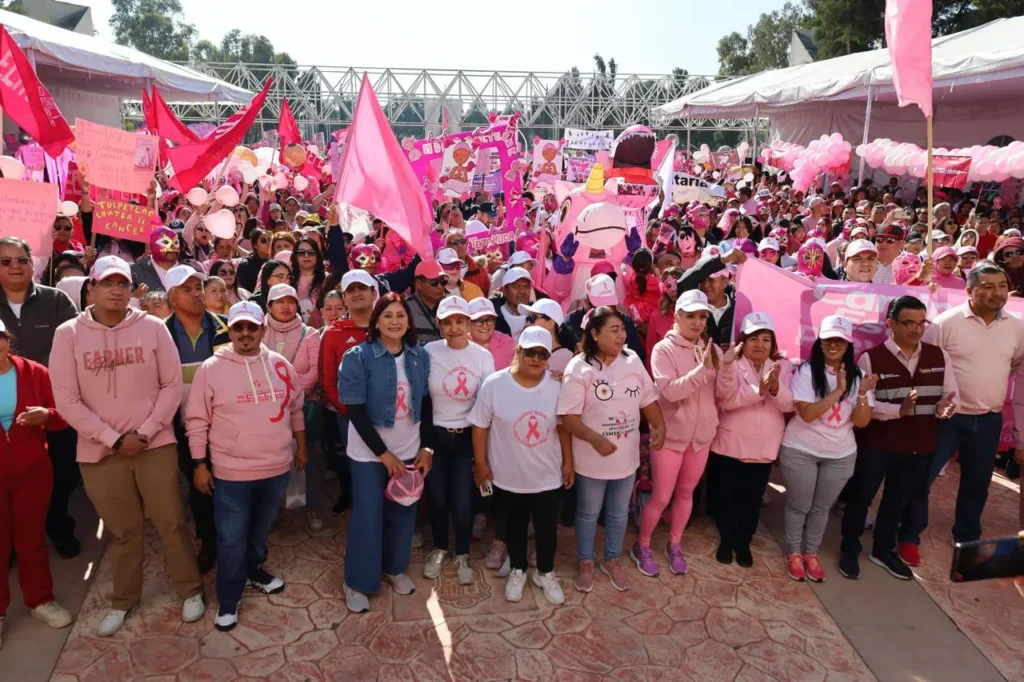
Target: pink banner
[27,210]
[115,159]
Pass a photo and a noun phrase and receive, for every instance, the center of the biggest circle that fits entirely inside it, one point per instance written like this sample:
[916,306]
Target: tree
[156,27]
[14,6]
[765,46]
[841,27]
[953,16]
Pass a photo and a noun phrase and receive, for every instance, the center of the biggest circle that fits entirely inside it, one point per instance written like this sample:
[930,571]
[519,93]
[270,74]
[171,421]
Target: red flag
[166,124]
[192,162]
[950,171]
[147,112]
[287,129]
[26,100]
[377,177]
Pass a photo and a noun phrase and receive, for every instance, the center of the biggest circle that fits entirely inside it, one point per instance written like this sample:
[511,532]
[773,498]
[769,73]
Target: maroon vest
[917,432]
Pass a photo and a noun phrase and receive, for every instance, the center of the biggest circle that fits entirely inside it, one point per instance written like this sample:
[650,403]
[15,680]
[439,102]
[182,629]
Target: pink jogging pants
[674,476]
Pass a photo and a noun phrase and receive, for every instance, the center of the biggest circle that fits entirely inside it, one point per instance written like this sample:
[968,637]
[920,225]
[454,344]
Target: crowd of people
[294,350]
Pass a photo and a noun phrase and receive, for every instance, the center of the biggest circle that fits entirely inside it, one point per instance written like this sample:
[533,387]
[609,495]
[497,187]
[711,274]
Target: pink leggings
[673,473]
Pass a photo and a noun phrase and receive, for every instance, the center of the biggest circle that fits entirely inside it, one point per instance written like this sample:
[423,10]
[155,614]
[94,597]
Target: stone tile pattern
[717,623]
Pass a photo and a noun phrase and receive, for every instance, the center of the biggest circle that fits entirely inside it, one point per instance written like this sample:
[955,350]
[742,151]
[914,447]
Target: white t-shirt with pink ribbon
[830,436]
[402,439]
[522,445]
[455,378]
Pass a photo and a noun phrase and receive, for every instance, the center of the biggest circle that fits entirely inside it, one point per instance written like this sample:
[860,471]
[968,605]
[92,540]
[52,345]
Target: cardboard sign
[115,159]
[27,210]
[122,220]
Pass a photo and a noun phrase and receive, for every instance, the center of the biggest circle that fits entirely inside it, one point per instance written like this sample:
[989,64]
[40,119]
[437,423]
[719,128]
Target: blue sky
[644,36]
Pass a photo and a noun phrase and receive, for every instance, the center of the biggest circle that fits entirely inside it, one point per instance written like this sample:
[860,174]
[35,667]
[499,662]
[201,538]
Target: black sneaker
[849,565]
[264,582]
[723,555]
[341,505]
[226,619]
[892,563]
[206,558]
[67,546]
[744,558]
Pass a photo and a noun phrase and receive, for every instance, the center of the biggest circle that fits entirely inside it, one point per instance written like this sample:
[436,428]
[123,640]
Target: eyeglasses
[305,252]
[913,324]
[122,284]
[833,342]
[63,228]
[533,317]
[886,240]
[536,354]
[20,260]
[484,321]
[1012,253]
[245,327]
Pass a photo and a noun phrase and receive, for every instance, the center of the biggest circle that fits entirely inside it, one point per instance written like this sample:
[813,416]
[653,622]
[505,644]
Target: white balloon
[197,196]
[68,209]
[749,177]
[300,183]
[12,168]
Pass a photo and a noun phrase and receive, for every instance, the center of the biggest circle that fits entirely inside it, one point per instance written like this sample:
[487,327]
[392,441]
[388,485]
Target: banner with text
[950,171]
[115,159]
[122,220]
[592,140]
[27,210]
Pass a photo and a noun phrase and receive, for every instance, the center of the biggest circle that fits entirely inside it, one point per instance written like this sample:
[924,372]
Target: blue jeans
[450,486]
[379,530]
[592,494]
[976,437]
[243,512]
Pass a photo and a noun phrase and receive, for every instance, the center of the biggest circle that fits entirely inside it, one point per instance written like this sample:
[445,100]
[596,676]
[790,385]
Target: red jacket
[479,277]
[338,338]
[24,447]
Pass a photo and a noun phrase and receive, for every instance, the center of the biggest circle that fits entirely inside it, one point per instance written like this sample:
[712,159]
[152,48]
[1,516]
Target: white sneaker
[112,621]
[464,569]
[549,583]
[226,620]
[506,568]
[53,614]
[401,583]
[357,602]
[193,608]
[435,562]
[479,526]
[314,520]
[417,540]
[514,585]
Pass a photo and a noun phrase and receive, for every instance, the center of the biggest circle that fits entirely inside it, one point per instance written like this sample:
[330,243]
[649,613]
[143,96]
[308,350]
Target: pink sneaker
[496,557]
[613,569]
[814,570]
[676,562]
[585,578]
[644,558]
[795,567]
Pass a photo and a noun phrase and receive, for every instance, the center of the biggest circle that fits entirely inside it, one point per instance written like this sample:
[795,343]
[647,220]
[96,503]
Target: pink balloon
[197,196]
[300,183]
[227,196]
[221,224]
[1000,176]
[986,168]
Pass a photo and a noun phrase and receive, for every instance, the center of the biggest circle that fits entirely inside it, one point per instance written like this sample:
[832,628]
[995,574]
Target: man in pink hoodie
[246,407]
[117,380]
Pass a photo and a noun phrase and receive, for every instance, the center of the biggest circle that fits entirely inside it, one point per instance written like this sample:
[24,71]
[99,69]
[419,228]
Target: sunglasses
[536,354]
[533,317]
[305,252]
[457,242]
[20,260]
[63,228]
[886,240]
[1008,253]
[245,327]
[437,281]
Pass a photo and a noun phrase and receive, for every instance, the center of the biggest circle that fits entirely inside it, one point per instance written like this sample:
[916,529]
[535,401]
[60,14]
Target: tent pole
[756,113]
[689,124]
[867,124]
[931,186]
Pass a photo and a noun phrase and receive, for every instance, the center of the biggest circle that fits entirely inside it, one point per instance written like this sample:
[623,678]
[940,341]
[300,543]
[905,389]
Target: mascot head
[164,245]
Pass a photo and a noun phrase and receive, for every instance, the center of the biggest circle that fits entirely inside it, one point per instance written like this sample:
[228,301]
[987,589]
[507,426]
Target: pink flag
[908,32]
[376,175]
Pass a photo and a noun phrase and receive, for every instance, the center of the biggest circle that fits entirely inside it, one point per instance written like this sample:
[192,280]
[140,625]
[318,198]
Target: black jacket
[721,331]
[501,324]
[248,272]
[145,273]
[45,309]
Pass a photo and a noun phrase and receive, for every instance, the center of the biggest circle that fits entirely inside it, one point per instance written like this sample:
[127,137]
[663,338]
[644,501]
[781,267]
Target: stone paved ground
[717,623]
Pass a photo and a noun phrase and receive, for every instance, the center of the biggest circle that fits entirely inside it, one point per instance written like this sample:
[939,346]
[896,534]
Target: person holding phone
[605,391]
[522,453]
[382,383]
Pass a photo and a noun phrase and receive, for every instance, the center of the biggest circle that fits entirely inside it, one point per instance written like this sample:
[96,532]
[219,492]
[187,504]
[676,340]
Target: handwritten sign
[33,158]
[27,210]
[115,159]
[122,220]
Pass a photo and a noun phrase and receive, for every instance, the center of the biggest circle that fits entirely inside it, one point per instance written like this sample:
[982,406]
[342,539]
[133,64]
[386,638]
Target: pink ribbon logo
[532,429]
[462,387]
[833,415]
[400,407]
[281,370]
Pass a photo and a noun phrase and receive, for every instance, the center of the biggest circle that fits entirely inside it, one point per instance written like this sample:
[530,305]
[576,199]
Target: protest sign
[115,159]
[122,220]
[547,162]
[27,210]
[950,171]
[578,166]
[33,157]
[593,140]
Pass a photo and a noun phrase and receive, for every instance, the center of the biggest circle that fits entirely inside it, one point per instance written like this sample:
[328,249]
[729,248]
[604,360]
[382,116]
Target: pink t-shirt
[609,400]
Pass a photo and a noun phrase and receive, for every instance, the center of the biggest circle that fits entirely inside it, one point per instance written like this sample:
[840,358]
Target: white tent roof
[94,64]
[964,66]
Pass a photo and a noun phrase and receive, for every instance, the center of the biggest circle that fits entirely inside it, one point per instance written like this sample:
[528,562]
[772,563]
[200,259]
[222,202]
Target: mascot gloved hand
[563,263]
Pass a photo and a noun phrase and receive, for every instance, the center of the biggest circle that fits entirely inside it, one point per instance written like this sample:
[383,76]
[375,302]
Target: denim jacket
[367,376]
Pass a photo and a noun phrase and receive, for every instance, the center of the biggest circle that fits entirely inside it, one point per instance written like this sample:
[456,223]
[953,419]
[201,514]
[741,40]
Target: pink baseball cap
[943,252]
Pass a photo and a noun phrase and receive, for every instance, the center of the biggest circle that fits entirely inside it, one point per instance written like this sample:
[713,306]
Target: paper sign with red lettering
[115,159]
[950,171]
[122,220]
[27,210]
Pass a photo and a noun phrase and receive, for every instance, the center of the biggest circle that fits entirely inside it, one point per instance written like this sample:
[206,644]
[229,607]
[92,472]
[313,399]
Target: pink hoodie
[300,345]
[687,393]
[110,381]
[502,349]
[751,425]
[248,427]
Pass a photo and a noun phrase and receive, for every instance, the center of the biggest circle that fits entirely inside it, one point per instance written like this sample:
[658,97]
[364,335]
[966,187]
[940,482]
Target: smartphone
[987,559]
[486,490]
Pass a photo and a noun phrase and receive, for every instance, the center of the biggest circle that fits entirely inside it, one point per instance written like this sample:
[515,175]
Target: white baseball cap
[768,244]
[480,308]
[756,322]
[520,257]
[357,276]
[245,311]
[535,337]
[279,291]
[452,305]
[448,256]
[108,266]
[691,301]
[836,327]
[858,246]
[180,274]
[545,307]
[514,275]
[858,230]
[600,290]
[966,249]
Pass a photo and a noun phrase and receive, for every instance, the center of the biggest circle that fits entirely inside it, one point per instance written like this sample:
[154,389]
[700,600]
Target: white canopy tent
[90,77]
[978,94]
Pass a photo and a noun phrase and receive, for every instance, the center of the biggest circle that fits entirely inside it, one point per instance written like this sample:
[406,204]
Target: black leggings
[518,509]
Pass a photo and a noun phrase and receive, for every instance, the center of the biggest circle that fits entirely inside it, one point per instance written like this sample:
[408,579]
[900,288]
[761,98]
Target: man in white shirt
[888,243]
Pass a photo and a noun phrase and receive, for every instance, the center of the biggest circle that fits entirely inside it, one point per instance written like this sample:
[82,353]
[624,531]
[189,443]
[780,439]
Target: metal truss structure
[417,101]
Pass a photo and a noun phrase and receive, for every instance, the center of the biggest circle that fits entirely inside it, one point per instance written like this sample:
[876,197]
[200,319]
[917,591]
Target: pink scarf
[284,337]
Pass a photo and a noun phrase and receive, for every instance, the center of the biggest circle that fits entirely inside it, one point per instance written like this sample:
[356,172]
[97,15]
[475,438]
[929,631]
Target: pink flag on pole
[376,175]
[908,33]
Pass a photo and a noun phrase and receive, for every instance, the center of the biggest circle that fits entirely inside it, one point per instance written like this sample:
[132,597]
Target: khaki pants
[123,488]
